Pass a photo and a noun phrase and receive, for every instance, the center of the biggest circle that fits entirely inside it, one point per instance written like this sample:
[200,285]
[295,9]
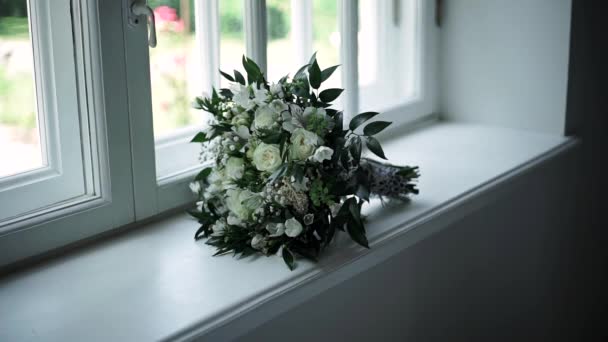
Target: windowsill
[157,283]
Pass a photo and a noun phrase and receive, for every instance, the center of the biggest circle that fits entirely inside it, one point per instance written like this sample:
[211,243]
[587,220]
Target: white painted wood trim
[349,17]
[109,204]
[301,30]
[255,31]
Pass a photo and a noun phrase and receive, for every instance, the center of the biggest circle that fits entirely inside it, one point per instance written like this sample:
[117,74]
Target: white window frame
[66,173]
[114,94]
[154,193]
[108,201]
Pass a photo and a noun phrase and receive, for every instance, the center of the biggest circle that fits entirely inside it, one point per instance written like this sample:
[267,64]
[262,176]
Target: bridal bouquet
[284,173]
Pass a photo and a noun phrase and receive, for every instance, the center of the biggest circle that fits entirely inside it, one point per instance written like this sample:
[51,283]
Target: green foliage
[359,119]
[14,28]
[375,127]
[319,193]
[278,23]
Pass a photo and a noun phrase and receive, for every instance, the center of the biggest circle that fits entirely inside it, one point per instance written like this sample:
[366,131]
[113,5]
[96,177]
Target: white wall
[505,62]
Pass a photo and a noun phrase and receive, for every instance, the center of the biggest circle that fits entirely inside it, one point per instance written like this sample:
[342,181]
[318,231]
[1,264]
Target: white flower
[195,187]
[275,229]
[235,167]
[235,199]
[267,157]
[293,227]
[301,185]
[303,144]
[322,153]
[260,95]
[276,89]
[258,242]
[241,96]
[242,132]
[278,106]
[265,117]
[234,220]
[309,218]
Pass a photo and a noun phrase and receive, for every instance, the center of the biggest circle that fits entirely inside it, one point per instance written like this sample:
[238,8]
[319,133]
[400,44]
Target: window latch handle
[139,9]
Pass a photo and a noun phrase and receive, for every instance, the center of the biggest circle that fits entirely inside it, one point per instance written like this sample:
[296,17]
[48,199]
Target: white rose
[265,117]
[278,106]
[322,153]
[267,157]
[234,202]
[303,144]
[258,242]
[235,167]
[275,229]
[293,228]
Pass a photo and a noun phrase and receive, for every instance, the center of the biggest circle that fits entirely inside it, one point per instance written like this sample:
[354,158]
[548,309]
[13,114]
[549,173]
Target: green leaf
[375,127]
[313,58]
[338,120]
[325,74]
[358,120]
[227,76]
[203,174]
[357,232]
[288,258]
[200,137]
[363,192]
[374,145]
[355,149]
[252,69]
[200,233]
[329,95]
[314,75]
[197,103]
[300,72]
[239,77]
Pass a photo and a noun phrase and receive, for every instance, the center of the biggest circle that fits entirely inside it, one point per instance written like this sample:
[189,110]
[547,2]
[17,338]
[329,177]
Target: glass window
[232,37]
[174,68]
[326,38]
[282,47]
[20,148]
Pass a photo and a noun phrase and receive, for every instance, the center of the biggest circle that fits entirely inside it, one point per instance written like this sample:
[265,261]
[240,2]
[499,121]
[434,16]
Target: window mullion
[349,19]
[255,31]
[208,42]
[301,23]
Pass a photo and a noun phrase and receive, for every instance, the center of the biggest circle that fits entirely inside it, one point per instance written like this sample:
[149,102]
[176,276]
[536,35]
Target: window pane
[232,37]
[369,23]
[326,38]
[175,67]
[281,47]
[20,148]
[294,33]
[386,80]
